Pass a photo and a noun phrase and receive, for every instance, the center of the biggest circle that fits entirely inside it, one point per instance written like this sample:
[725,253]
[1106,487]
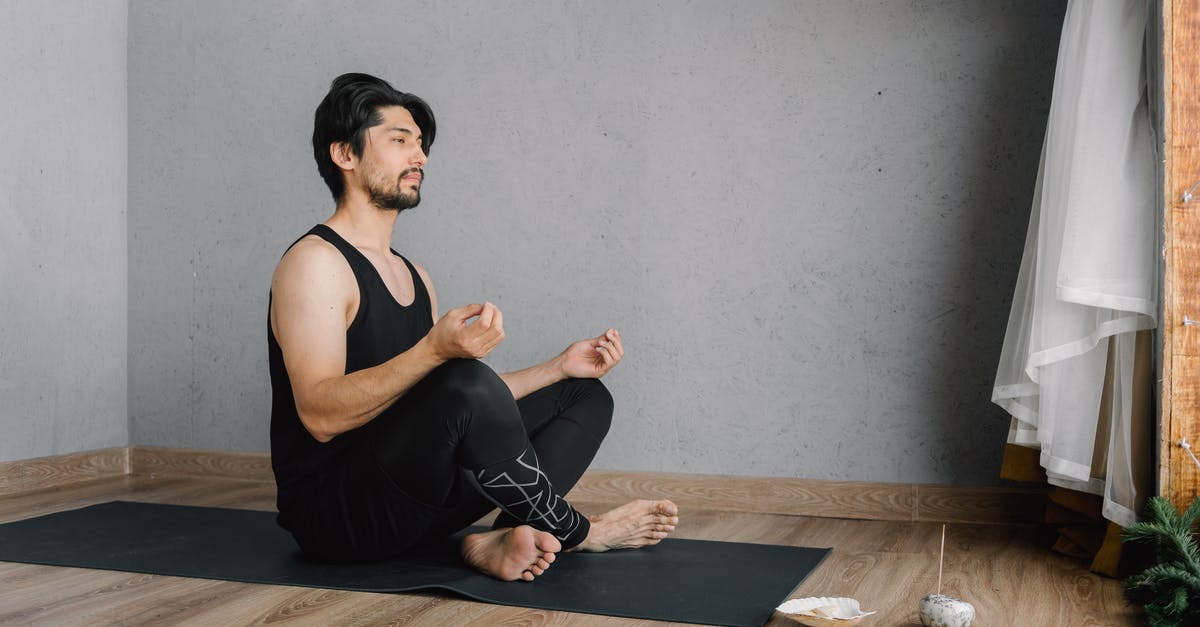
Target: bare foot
[635,524]
[511,554]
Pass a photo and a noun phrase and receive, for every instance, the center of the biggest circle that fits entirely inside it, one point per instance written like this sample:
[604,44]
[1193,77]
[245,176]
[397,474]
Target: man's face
[392,164]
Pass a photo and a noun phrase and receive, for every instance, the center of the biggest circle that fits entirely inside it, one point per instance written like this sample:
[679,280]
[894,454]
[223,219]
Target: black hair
[349,109]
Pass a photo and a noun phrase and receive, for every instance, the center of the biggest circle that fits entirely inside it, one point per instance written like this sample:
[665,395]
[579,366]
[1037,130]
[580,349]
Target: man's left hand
[594,357]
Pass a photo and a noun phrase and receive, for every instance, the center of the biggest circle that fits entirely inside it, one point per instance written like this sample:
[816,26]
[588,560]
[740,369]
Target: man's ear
[342,156]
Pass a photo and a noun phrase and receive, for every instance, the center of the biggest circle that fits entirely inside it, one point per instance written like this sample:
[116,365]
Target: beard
[394,197]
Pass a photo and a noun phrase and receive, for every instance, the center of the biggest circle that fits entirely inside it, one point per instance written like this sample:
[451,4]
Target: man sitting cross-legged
[385,430]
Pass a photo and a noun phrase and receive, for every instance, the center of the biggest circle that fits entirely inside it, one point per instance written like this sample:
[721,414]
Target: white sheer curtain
[1087,282]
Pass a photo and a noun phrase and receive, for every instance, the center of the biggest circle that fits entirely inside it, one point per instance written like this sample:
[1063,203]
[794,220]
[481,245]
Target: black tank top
[382,329]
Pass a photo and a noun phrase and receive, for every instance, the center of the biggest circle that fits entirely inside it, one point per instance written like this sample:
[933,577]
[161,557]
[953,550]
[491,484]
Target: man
[385,430]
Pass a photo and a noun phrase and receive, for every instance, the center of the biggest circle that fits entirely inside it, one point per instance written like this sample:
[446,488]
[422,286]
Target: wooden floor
[1005,571]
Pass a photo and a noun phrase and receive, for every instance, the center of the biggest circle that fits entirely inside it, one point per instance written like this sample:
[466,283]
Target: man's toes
[536,570]
[541,564]
[548,557]
[546,542]
[659,524]
[666,507]
[526,576]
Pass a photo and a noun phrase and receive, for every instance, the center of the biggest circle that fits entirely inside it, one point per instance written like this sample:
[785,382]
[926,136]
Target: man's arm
[314,298]
[590,358]
[525,382]
[586,359]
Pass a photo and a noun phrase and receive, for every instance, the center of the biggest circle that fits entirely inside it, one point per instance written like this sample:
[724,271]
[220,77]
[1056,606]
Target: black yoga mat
[720,583]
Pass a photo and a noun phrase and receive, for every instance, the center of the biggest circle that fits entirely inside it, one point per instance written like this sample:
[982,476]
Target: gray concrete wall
[806,218]
[63,170]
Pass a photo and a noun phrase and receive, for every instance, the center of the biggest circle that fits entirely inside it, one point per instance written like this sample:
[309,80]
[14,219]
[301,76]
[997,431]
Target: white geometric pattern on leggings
[559,518]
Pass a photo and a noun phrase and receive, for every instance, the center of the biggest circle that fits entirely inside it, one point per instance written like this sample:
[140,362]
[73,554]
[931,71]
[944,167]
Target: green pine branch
[1169,590]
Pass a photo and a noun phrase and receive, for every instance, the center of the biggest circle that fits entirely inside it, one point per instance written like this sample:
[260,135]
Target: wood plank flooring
[1005,571]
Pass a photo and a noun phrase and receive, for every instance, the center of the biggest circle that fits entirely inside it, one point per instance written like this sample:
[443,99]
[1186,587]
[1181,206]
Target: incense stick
[941,559]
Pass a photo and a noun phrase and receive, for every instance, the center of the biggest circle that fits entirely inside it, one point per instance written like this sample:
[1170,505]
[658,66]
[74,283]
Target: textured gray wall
[805,217]
[63,297]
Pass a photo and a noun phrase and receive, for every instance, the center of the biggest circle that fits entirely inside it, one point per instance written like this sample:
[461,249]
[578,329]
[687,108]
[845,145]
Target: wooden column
[1179,479]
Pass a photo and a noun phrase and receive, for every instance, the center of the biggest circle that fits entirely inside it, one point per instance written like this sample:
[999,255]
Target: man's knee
[470,381]
[595,407]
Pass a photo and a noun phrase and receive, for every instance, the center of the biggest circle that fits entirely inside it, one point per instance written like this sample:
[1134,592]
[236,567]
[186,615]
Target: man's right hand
[455,337]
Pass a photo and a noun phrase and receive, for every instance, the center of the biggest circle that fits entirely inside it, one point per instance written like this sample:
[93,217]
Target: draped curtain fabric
[1088,279]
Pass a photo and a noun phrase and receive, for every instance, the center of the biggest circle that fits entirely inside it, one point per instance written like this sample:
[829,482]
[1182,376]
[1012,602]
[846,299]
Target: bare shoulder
[311,260]
[313,299]
[423,272]
[313,273]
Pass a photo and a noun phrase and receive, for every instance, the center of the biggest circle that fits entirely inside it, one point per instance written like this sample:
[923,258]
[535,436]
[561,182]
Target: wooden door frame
[1179,367]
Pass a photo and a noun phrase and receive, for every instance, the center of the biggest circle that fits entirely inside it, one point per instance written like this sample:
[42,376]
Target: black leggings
[458,442]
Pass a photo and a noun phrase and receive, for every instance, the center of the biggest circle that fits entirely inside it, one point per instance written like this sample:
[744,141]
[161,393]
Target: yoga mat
[718,583]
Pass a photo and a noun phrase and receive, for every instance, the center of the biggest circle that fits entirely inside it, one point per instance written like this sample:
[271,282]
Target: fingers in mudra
[469,332]
[594,357]
[612,339]
[607,355]
[487,329]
